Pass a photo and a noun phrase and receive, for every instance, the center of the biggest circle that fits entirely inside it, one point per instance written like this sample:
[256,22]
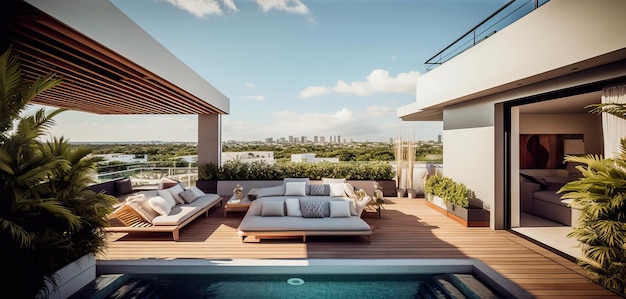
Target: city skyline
[299,68]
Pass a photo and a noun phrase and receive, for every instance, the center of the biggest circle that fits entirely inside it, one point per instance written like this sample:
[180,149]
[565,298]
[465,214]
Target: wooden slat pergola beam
[96,79]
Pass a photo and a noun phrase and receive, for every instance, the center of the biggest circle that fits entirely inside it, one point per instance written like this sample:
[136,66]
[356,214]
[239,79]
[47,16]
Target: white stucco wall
[468,158]
[558,34]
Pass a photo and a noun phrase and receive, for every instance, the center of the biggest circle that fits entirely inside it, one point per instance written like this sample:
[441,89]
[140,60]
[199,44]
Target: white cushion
[160,205]
[339,208]
[141,205]
[175,191]
[196,191]
[295,189]
[273,208]
[336,189]
[349,190]
[168,196]
[293,207]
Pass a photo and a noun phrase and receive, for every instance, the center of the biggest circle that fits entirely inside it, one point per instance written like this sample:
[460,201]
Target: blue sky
[294,67]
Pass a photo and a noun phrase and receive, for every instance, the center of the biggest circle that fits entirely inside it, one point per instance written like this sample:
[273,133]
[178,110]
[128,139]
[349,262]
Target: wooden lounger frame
[127,220]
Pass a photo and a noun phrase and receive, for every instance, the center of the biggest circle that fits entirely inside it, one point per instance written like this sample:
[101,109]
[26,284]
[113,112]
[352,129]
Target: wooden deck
[407,229]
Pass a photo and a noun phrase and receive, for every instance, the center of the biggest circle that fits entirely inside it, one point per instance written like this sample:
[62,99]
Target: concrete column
[209,138]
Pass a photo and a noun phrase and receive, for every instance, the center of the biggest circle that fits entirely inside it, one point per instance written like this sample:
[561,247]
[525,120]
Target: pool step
[454,286]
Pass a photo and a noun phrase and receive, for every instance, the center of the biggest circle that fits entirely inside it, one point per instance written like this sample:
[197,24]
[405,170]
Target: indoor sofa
[298,208]
[163,210]
[538,194]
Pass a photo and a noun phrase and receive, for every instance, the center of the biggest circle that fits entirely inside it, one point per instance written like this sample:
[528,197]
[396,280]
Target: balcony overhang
[562,38]
[108,63]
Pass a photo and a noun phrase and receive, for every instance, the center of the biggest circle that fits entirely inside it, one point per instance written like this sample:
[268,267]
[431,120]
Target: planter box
[73,277]
[207,186]
[470,217]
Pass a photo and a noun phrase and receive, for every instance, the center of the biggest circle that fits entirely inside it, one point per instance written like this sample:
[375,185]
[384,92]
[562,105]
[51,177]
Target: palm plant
[601,197]
[47,218]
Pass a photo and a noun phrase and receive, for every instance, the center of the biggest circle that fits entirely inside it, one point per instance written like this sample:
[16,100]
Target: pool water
[265,286]
[298,278]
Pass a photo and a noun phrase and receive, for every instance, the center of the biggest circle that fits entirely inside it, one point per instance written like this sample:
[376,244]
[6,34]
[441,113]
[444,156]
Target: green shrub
[260,170]
[450,191]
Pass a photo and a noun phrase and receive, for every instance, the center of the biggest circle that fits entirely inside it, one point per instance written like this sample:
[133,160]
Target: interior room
[548,131]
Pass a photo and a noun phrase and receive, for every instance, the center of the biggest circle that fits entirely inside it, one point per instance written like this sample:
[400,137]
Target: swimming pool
[301,278]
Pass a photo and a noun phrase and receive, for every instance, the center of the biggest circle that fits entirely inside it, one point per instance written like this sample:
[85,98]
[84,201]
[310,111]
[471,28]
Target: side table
[235,205]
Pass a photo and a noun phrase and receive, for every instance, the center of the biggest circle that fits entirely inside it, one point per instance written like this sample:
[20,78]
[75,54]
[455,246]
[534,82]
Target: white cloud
[378,81]
[313,91]
[202,8]
[259,98]
[248,84]
[291,6]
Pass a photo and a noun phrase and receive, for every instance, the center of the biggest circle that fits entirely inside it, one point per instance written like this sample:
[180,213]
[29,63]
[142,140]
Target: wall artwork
[543,151]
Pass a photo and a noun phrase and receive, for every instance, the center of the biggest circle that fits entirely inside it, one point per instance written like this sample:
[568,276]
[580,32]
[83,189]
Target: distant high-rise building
[439,138]
[316,139]
[303,139]
[290,139]
[338,139]
[269,140]
[282,140]
[322,139]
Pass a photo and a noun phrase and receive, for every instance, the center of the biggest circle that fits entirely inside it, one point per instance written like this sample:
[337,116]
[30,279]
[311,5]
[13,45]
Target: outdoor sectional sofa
[163,210]
[298,208]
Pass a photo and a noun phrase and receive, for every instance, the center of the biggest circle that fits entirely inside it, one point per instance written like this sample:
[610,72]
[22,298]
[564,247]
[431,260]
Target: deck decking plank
[407,229]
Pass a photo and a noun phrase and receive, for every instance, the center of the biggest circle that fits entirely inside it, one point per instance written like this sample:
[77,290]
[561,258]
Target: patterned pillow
[312,209]
[188,196]
[319,190]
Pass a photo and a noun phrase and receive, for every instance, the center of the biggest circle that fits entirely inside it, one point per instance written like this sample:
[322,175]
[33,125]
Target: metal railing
[501,18]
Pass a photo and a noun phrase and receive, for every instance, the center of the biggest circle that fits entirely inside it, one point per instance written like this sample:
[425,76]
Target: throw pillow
[339,209]
[167,183]
[295,189]
[160,205]
[336,189]
[312,209]
[175,190]
[141,205]
[273,208]
[188,196]
[349,190]
[293,207]
[196,191]
[123,186]
[319,190]
[332,181]
[168,196]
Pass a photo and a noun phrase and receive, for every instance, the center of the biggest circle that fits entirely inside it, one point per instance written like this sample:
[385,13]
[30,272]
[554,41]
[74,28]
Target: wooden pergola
[109,65]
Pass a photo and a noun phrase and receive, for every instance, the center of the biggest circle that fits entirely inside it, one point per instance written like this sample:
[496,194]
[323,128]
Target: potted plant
[48,216]
[453,199]
[208,175]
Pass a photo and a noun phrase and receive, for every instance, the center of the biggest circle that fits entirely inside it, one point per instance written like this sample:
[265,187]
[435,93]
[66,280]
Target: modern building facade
[535,76]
